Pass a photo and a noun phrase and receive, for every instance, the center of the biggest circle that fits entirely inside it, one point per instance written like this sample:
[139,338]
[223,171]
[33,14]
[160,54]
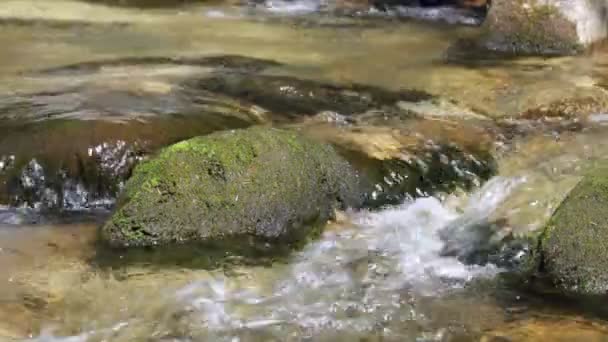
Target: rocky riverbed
[408,168]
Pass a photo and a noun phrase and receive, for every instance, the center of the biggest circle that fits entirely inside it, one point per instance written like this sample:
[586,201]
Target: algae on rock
[573,249]
[233,188]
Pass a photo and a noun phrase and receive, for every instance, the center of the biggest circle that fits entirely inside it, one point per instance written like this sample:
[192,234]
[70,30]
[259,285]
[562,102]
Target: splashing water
[292,7]
[363,279]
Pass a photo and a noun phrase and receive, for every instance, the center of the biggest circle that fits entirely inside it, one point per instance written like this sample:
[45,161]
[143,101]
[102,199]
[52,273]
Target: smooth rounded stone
[573,249]
[233,189]
[535,27]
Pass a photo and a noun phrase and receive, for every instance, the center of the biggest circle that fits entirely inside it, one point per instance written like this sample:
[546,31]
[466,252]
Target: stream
[88,89]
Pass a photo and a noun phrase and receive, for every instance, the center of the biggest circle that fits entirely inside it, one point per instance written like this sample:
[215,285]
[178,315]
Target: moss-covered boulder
[543,27]
[258,185]
[573,250]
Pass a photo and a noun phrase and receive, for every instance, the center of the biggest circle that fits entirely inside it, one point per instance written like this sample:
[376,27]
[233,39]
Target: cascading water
[366,277]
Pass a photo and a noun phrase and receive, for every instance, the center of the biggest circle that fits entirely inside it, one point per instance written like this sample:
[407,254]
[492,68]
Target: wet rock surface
[542,27]
[569,113]
[74,149]
[410,159]
[258,183]
[572,249]
[511,234]
[573,114]
[90,90]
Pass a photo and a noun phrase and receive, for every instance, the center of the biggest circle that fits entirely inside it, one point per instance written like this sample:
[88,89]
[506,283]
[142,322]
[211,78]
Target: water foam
[297,7]
[447,14]
[354,280]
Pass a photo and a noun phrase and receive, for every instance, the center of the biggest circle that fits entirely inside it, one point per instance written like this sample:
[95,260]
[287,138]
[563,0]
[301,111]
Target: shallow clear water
[123,74]
[377,275]
[376,51]
[368,276]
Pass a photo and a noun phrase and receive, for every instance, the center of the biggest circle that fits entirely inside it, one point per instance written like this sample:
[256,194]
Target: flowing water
[88,89]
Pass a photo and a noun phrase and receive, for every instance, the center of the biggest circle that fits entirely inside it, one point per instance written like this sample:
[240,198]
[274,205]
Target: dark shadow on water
[523,295]
[226,253]
[293,97]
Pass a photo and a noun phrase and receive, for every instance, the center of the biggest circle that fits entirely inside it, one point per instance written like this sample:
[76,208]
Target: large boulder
[545,27]
[573,250]
[254,185]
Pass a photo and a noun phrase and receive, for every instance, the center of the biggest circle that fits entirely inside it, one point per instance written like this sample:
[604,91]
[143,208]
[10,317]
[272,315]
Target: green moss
[123,221]
[271,184]
[574,244]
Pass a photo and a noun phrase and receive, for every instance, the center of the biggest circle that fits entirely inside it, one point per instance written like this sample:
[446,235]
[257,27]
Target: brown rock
[555,329]
[535,27]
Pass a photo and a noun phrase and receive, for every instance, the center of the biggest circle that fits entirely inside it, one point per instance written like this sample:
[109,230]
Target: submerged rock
[570,114]
[429,170]
[239,188]
[74,148]
[573,249]
[543,27]
[130,88]
[293,98]
[400,159]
